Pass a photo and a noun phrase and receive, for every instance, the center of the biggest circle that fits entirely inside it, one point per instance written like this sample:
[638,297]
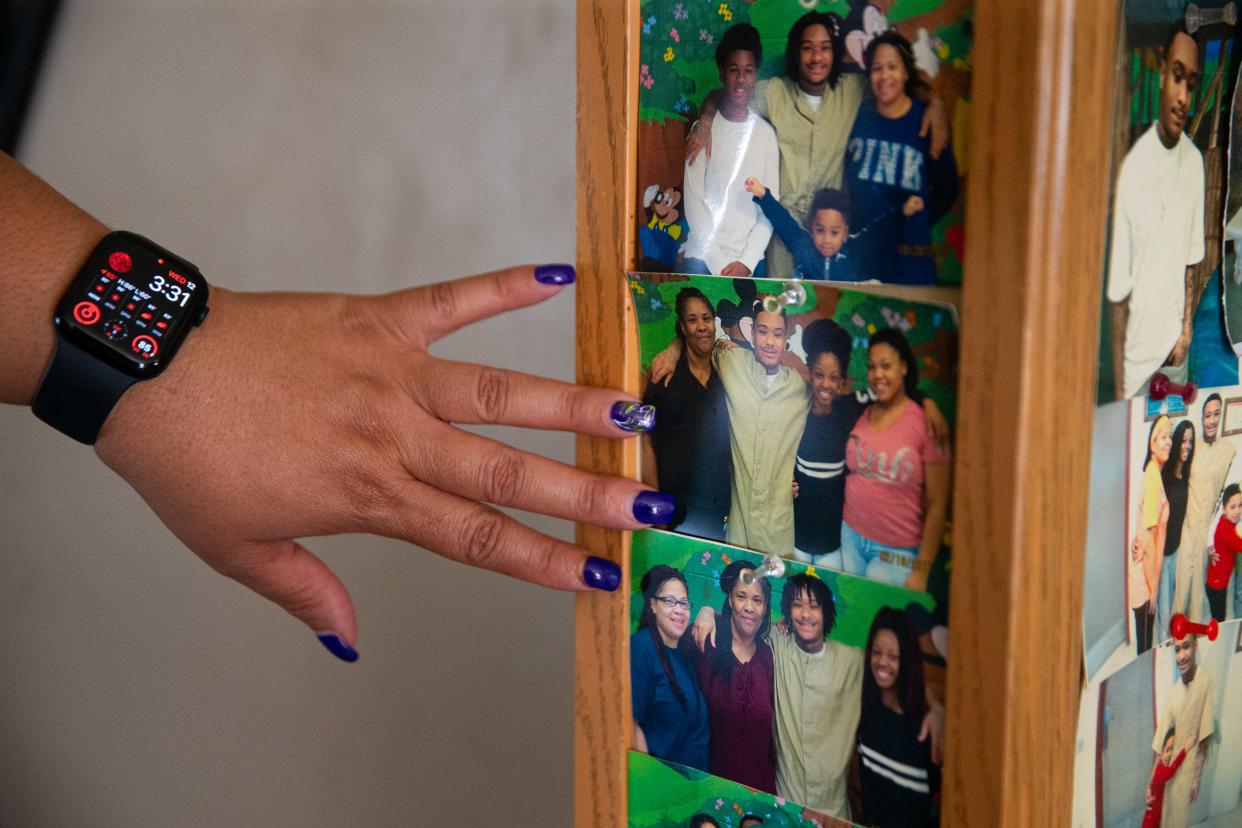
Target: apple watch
[121,321]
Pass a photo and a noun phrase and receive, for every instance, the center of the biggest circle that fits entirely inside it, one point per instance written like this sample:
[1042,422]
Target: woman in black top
[1176,477]
[688,455]
[897,775]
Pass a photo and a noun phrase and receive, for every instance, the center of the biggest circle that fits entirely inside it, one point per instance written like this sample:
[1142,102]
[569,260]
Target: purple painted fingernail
[601,574]
[654,508]
[337,646]
[555,274]
[632,416]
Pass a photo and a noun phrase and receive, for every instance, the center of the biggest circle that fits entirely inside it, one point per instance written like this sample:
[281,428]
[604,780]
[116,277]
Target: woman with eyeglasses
[670,714]
[736,673]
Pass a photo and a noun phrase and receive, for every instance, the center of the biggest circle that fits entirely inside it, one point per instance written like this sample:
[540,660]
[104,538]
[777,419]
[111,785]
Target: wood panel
[607,348]
[1035,231]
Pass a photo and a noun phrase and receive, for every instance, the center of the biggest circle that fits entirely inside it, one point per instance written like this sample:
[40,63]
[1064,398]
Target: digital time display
[132,303]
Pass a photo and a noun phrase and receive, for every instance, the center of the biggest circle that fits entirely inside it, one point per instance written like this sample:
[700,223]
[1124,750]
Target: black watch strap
[78,392]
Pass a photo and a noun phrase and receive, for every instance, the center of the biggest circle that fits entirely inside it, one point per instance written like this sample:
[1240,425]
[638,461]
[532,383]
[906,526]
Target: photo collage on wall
[1160,625]
[800,174]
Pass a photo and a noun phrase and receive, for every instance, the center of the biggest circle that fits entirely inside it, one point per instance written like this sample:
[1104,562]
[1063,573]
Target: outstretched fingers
[461,392]
[441,308]
[482,469]
[478,535]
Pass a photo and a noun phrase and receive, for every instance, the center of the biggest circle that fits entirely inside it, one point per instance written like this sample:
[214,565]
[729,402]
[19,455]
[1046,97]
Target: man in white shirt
[728,230]
[1157,234]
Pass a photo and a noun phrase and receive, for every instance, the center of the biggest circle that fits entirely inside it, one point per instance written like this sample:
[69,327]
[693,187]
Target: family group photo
[820,432]
[818,140]
[820,688]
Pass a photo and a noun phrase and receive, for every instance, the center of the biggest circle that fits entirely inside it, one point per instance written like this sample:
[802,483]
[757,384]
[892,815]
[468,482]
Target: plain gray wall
[360,146]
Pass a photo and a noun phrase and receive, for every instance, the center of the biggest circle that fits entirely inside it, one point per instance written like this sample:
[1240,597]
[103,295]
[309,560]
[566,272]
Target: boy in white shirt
[728,230]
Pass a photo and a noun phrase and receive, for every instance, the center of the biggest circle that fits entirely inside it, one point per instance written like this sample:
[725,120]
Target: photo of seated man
[728,233]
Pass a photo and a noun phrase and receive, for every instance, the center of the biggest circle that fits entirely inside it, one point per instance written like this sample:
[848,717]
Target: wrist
[35,272]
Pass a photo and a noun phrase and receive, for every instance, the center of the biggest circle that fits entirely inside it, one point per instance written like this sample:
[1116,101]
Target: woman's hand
[1136,549]
[705,628]
[913,205]
[755,187]
[795,489]
[288,416]
[1213,555]
[917,579]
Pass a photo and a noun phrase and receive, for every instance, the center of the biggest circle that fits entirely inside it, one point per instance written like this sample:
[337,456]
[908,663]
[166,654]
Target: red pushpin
[1161,387]
[1181,626]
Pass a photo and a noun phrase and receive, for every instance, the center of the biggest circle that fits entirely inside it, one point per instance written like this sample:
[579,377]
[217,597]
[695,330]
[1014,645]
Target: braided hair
[793,45]
[723,659]
[655,578]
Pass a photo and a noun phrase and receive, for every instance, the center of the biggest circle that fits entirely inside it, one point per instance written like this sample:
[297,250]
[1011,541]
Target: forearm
[934,519]
[44,238]
[1194,290]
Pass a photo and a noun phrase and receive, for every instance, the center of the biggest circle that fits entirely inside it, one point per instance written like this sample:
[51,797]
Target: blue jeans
[1164,597]
[877,561]
[1237,595]
[828,560]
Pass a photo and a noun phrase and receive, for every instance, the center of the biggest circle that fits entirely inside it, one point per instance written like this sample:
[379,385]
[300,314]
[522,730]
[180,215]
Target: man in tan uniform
[1188,711]
[1210,468]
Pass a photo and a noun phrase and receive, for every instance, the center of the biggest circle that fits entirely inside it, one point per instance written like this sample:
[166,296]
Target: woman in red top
[1226,544]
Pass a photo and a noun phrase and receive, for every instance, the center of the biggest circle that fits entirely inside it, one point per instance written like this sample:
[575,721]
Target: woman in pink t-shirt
[897,489]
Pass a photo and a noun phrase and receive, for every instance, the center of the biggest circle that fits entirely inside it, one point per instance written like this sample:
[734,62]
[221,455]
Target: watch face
[132,304]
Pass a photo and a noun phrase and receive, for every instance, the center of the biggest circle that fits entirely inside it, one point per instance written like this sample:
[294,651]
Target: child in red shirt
[1226,545]
[1160,776]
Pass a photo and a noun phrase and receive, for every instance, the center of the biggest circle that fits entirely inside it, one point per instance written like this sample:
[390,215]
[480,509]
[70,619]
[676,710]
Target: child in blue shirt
[816,248]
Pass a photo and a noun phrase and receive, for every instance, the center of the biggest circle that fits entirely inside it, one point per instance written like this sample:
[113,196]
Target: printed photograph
[1166,523]
[820,688]
[667,795]
[1164,298]
[1167,747]
[819,431]
[824,140]
[1231,274]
